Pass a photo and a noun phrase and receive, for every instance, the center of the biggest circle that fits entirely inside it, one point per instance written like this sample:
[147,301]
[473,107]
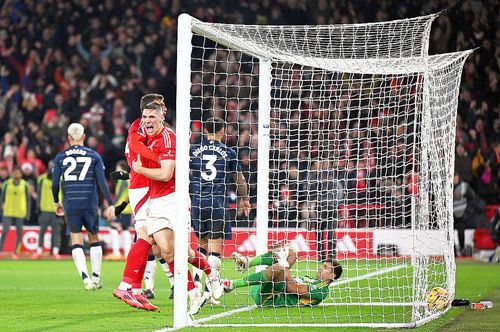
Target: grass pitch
[49,296]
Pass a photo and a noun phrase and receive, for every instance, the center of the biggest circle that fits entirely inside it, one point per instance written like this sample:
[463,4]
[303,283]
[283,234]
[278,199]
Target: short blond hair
[76,131]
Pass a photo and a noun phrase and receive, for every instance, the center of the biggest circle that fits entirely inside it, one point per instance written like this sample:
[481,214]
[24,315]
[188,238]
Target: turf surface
[48,296]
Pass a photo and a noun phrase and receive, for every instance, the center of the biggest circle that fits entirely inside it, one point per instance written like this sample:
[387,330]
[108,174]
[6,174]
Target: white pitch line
[375,304]
[368,275]
[224,314]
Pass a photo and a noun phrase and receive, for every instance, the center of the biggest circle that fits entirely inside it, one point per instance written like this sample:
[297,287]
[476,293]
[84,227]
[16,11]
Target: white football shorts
[161,213]
[139,199]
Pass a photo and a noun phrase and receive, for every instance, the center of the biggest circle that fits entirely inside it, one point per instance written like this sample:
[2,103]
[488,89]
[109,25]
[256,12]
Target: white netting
[360,161]
[400,38]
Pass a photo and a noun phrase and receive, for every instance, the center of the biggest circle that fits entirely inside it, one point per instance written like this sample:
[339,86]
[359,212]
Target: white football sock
[115,241]
[55,251]
[127,241]
[80,263]
[96,260]
[39,250]
[149,274]
[124,285]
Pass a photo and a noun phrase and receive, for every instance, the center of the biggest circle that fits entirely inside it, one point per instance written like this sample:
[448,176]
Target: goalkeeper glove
[119,209]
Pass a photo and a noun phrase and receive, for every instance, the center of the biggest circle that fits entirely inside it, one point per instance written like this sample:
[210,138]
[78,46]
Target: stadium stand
[90,61]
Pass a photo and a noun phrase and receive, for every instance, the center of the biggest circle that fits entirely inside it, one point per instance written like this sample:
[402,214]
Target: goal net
[344,134]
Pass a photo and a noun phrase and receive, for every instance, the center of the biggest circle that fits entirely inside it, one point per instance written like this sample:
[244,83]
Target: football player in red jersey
[130,288]
[160,216]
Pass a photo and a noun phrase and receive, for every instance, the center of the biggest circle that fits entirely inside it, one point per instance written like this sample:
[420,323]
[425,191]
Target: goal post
[344,134]
[181,227]
[261,224]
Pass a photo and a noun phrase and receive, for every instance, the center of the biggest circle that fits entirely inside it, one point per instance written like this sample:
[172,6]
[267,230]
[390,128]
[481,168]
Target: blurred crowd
[90,61]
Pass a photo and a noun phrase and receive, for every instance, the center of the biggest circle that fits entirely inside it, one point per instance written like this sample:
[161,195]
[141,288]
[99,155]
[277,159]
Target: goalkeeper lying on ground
[275,286]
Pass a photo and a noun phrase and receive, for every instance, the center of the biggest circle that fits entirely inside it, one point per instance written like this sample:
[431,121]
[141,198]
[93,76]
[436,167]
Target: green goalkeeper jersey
[274,293]
[317,291]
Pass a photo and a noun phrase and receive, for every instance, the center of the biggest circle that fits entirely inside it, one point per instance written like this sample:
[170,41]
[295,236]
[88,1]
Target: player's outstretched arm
[137,146]
[164,173]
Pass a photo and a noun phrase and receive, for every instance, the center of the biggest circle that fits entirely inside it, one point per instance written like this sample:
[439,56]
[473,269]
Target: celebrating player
[159,220]
[161,209]
[275,285]
[82,171]
[130,288]
[211,162]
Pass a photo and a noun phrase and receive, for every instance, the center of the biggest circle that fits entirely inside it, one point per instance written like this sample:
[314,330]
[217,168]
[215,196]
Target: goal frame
[181,228]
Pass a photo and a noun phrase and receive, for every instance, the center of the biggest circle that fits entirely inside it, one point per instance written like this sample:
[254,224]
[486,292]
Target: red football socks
[200,261]
[136,262]
[190,285]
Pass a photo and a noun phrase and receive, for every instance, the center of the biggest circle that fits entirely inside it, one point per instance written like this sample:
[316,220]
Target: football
[437,299]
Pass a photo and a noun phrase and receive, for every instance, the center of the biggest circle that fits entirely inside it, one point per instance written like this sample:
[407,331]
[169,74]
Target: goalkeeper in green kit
[275,286]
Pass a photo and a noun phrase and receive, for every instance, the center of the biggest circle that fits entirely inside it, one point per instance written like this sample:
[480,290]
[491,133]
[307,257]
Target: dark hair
[214,125]
[149,98]
[152,106]
[337,268]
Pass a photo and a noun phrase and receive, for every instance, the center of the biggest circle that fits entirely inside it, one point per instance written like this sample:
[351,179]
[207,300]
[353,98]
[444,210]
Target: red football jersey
[136,144]
[164,145]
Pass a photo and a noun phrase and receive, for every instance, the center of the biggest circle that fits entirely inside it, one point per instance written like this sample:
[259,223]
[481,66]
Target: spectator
[463,163]
[464,211]
[94,68]
[4,174]
[47,217]
[27,156]
[28,175]
[327,191]
[16,207]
